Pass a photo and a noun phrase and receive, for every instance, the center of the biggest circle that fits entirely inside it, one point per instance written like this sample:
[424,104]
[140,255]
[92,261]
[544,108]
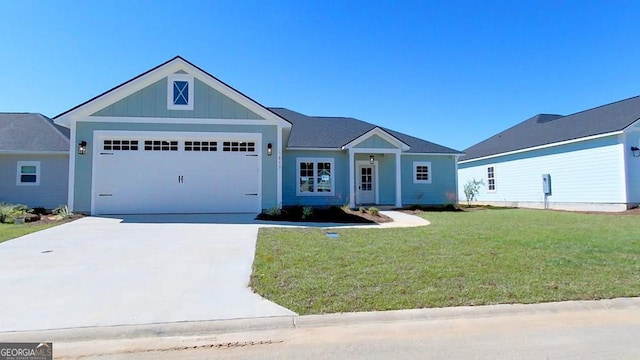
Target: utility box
[546,184]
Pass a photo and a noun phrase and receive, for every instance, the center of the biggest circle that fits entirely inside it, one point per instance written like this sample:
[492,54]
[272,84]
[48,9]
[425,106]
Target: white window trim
[19,173]
[315,161]
[415,172]
[495,187]
[179,77]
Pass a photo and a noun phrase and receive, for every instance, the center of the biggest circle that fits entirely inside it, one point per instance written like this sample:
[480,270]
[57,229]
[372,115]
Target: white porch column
[352,179]
[398,179]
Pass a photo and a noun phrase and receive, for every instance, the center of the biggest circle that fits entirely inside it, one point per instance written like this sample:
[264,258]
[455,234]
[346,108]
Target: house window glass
[161,145]
[491,178]
[422,172]
[180,91]
[28,173]
[315,176]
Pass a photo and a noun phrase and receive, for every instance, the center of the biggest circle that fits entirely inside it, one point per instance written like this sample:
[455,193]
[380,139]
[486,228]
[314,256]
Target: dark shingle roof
[31,133]
[335,132]
[546,129]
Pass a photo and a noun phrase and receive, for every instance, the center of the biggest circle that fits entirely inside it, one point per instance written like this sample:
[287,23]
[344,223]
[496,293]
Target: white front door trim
[359,165]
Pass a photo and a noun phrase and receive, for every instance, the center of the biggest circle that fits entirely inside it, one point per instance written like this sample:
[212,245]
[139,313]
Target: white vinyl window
[491,178]
[422,172]
[180,92]
[315,177]
[28,173]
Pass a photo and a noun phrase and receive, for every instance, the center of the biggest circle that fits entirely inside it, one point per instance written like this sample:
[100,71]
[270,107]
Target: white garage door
[150,173]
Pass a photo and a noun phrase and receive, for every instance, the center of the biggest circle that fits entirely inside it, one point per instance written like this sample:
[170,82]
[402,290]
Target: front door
[366,185]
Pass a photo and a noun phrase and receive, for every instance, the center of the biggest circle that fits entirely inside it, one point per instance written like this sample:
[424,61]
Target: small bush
[273,211]
[307,212]
[374,211]
[362,209]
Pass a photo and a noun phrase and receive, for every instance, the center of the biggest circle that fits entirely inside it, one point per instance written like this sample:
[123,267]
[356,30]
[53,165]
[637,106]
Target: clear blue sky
[451,72]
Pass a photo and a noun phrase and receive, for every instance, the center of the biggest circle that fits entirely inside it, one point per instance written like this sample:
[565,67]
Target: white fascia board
[375,151]
[383,134]
[153,120]
[433,154]
[560,143]
[312,149]
[151,77]
[24,152]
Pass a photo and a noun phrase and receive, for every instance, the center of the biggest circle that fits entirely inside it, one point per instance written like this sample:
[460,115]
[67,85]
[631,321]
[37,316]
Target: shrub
[362,209]
[471,190]
[374,211]
[273,211]
[307,211]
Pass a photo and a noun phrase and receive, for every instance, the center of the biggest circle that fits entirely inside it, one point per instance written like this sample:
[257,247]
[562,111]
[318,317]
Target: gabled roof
[545,129]
[152,75]
[30,132]
[319,132]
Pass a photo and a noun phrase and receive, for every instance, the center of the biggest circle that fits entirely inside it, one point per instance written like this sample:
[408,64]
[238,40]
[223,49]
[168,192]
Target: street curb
[216,327]
[156,330]
[465,312]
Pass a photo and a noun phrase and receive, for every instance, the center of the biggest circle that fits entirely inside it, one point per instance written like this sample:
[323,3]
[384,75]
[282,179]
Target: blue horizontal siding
[53,187]
[442,189]
[290,179]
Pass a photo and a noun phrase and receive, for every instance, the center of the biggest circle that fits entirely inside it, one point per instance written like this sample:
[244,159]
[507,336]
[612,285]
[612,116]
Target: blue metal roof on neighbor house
[334,132]
[547,129]
[30,132]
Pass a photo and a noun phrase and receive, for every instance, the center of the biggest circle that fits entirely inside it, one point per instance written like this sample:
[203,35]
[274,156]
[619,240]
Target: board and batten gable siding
[441,190]
[151,101]
[50,193]
[375,142]
[584,172]
[290,179]
[84,163]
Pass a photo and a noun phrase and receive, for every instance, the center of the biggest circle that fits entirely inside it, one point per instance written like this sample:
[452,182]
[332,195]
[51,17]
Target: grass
[11,231]
[462,258]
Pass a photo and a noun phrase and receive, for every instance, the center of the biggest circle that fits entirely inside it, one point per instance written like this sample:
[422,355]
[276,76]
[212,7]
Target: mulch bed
[333,214]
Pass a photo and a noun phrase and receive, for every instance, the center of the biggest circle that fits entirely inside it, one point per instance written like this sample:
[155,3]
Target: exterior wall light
[371,159]
[269,149]
[82,148]
[635,151]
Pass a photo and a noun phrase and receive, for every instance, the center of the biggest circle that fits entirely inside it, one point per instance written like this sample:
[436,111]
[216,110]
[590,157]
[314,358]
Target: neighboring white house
[586,161]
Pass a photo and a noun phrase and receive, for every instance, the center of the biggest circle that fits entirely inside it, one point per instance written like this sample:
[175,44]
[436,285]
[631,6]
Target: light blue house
[175,139]
[586,161]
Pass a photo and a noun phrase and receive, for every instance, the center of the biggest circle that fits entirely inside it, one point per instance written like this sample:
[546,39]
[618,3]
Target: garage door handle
[180,179]
[251,194]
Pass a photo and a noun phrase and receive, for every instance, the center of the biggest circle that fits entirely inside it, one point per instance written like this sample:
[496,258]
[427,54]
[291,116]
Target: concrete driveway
[106,272]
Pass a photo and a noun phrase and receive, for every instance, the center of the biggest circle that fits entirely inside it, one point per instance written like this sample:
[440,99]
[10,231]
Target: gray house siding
[52,189]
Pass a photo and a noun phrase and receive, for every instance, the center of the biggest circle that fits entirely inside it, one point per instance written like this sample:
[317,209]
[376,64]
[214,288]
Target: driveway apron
[106,272]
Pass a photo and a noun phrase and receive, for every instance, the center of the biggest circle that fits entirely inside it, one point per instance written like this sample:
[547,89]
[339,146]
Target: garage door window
[161,145]
[239,146]
[200,146]
[120,145]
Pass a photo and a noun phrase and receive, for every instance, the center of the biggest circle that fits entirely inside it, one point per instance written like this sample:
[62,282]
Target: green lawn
[10,231]
[462,258]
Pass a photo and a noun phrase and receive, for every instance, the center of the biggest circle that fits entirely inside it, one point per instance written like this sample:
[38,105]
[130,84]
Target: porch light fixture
[82,148]
[371,159]
[269,149]
[635,151]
